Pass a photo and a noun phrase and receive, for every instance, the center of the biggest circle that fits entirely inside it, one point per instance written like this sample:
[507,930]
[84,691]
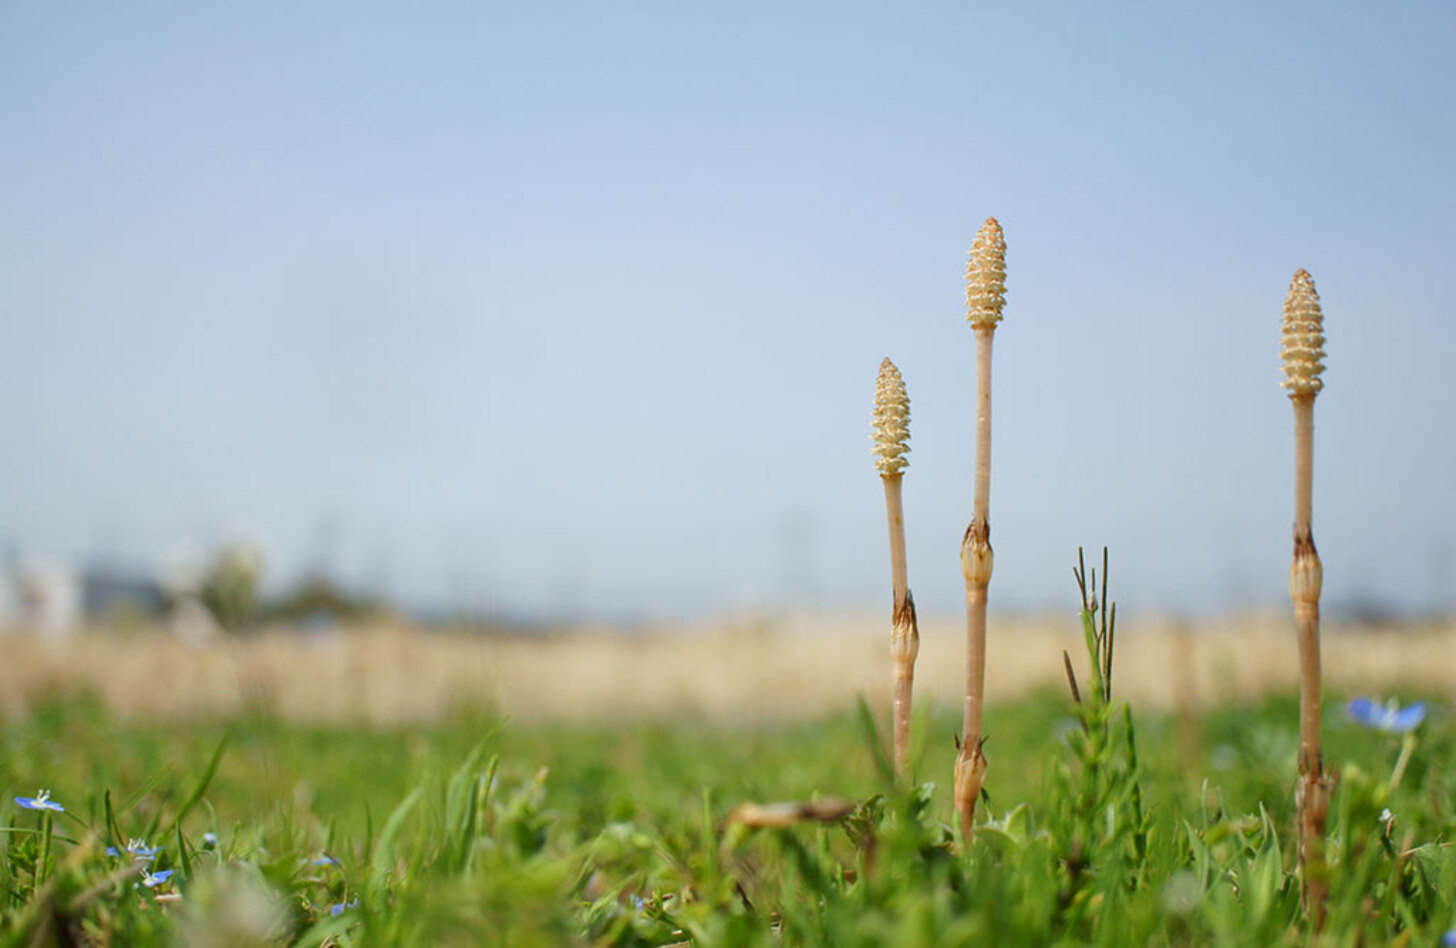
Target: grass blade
[203,783]
[872,738]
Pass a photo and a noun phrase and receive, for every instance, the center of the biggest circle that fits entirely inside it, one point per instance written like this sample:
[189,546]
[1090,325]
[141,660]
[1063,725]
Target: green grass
[478,831]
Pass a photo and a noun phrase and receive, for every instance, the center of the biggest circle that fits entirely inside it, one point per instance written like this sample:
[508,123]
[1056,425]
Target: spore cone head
[986,277]
[891,422]
[1303,344]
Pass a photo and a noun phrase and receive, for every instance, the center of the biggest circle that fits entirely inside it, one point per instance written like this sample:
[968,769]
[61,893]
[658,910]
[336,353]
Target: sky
[576,310]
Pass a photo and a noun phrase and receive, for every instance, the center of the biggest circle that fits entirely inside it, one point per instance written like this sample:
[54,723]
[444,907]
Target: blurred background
[532,316]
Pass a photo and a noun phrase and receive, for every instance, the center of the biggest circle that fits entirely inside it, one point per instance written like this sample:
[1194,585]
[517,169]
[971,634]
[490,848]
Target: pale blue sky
[578,307]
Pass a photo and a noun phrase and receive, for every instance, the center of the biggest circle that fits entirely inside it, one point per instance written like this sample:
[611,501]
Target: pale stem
[1305,579]
[975,663]
[983,423]
[45,852]
[1303,463]
[970,768]
[976,591]
[904,638]
[895,511]
[1407,747]
[1304,595]
[976,563]
[1306,620]
[903,694]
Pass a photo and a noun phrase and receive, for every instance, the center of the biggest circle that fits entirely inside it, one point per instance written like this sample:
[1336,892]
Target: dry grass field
[769,667]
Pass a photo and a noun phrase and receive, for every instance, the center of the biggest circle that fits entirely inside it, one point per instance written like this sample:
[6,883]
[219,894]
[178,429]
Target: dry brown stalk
[783,815]
[985,298]
[1303,352]
[892,443]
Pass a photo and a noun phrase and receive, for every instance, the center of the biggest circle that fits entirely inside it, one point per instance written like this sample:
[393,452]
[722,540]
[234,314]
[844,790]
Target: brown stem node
[970,776]
[977,558]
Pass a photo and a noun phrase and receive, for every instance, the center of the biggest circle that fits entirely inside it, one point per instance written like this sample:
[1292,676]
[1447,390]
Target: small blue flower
[1389,717]
[325,860]
[209,840]
[41,801]
[136,849]
[338,909]
[1449,939]
[152,880]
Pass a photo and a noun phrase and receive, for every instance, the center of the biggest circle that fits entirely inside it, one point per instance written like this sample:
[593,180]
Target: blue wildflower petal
[41,801]
[338,909]
[1408,718]
[1389,717]
[1449,939]
[137,850]
[151,880]
[1363,711]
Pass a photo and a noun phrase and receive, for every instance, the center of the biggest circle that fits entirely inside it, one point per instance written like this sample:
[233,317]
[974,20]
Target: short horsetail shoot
[1303,351]
[985,298]
[892,443]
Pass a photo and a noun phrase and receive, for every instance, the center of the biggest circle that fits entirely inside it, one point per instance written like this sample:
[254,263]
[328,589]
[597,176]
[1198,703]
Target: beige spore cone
[1303,343]
[891,422]
[986,276]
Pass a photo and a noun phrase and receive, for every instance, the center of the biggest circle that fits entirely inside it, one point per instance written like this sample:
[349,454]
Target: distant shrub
[231,587]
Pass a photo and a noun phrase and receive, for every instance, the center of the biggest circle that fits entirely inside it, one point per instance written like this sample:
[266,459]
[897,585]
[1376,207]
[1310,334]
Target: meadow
[441,811]
[755,786]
